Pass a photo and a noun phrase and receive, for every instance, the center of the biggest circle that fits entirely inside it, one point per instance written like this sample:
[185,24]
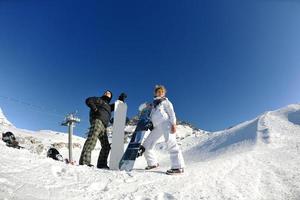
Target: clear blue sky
[223,62]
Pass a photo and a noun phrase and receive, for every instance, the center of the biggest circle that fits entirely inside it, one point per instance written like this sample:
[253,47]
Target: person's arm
[112,107]
[92,102]
[122,98]
[170,111]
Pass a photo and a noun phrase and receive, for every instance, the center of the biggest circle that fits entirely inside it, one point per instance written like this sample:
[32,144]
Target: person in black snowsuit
[100,115]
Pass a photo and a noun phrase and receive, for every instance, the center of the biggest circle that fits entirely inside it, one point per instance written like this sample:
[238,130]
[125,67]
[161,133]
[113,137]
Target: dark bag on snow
[10,140]
[54,154]
[8,137]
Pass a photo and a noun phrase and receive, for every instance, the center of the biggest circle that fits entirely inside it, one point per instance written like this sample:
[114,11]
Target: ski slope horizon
[256,159]
[4,119]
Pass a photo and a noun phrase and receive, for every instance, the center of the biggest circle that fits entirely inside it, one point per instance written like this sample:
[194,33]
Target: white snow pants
[172,146]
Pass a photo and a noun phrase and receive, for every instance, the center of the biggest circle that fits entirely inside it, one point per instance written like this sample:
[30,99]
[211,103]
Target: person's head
[107,96]
[160,91]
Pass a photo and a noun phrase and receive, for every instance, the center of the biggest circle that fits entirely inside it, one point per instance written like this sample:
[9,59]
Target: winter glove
[122,97]
[149,126]
[141,151]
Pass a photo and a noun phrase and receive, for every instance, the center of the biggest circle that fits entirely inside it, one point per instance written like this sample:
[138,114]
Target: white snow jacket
[163,112]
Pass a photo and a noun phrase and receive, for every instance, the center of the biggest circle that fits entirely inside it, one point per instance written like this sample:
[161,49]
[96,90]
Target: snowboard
[117,146]
[143,125]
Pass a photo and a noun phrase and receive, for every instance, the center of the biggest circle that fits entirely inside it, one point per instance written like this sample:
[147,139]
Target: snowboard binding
[141,151]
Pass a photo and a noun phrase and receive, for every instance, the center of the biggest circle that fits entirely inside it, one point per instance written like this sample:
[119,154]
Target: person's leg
[177,161]
[90,143]
[149,145]
[105,148]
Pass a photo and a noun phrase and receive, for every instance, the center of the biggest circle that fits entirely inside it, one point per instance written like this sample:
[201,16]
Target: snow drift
[3,120]
[257,159]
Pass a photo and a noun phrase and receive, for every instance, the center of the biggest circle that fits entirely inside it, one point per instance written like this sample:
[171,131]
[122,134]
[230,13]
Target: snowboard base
[131,153]
[117,146]
[127,165]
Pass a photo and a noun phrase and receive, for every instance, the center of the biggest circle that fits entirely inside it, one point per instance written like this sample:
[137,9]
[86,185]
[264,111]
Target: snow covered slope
[3,120]
[258,159]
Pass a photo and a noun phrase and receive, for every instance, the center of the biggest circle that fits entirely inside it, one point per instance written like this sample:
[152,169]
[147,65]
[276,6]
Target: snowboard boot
[175,171]
[152,167]
[103,167]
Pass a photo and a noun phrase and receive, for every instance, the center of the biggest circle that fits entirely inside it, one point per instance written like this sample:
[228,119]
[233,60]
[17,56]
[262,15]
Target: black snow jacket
[100,109]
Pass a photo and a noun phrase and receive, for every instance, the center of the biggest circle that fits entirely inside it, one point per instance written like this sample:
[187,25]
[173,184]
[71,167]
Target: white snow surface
[3,119]
[255,160]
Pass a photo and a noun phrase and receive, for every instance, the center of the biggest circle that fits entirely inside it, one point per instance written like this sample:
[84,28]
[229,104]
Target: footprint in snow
[58,171]
[6,187]
[165,196]
[7,182]
[96,186]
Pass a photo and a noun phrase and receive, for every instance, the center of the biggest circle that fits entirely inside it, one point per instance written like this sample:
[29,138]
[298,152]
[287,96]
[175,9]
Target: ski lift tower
[70,121]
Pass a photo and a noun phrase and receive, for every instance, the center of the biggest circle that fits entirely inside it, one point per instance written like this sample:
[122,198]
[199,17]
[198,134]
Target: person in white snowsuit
[164,124]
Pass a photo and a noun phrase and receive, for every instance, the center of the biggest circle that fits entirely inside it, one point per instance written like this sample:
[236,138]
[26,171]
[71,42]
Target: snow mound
[3,120]
[270,128]
[294,115]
